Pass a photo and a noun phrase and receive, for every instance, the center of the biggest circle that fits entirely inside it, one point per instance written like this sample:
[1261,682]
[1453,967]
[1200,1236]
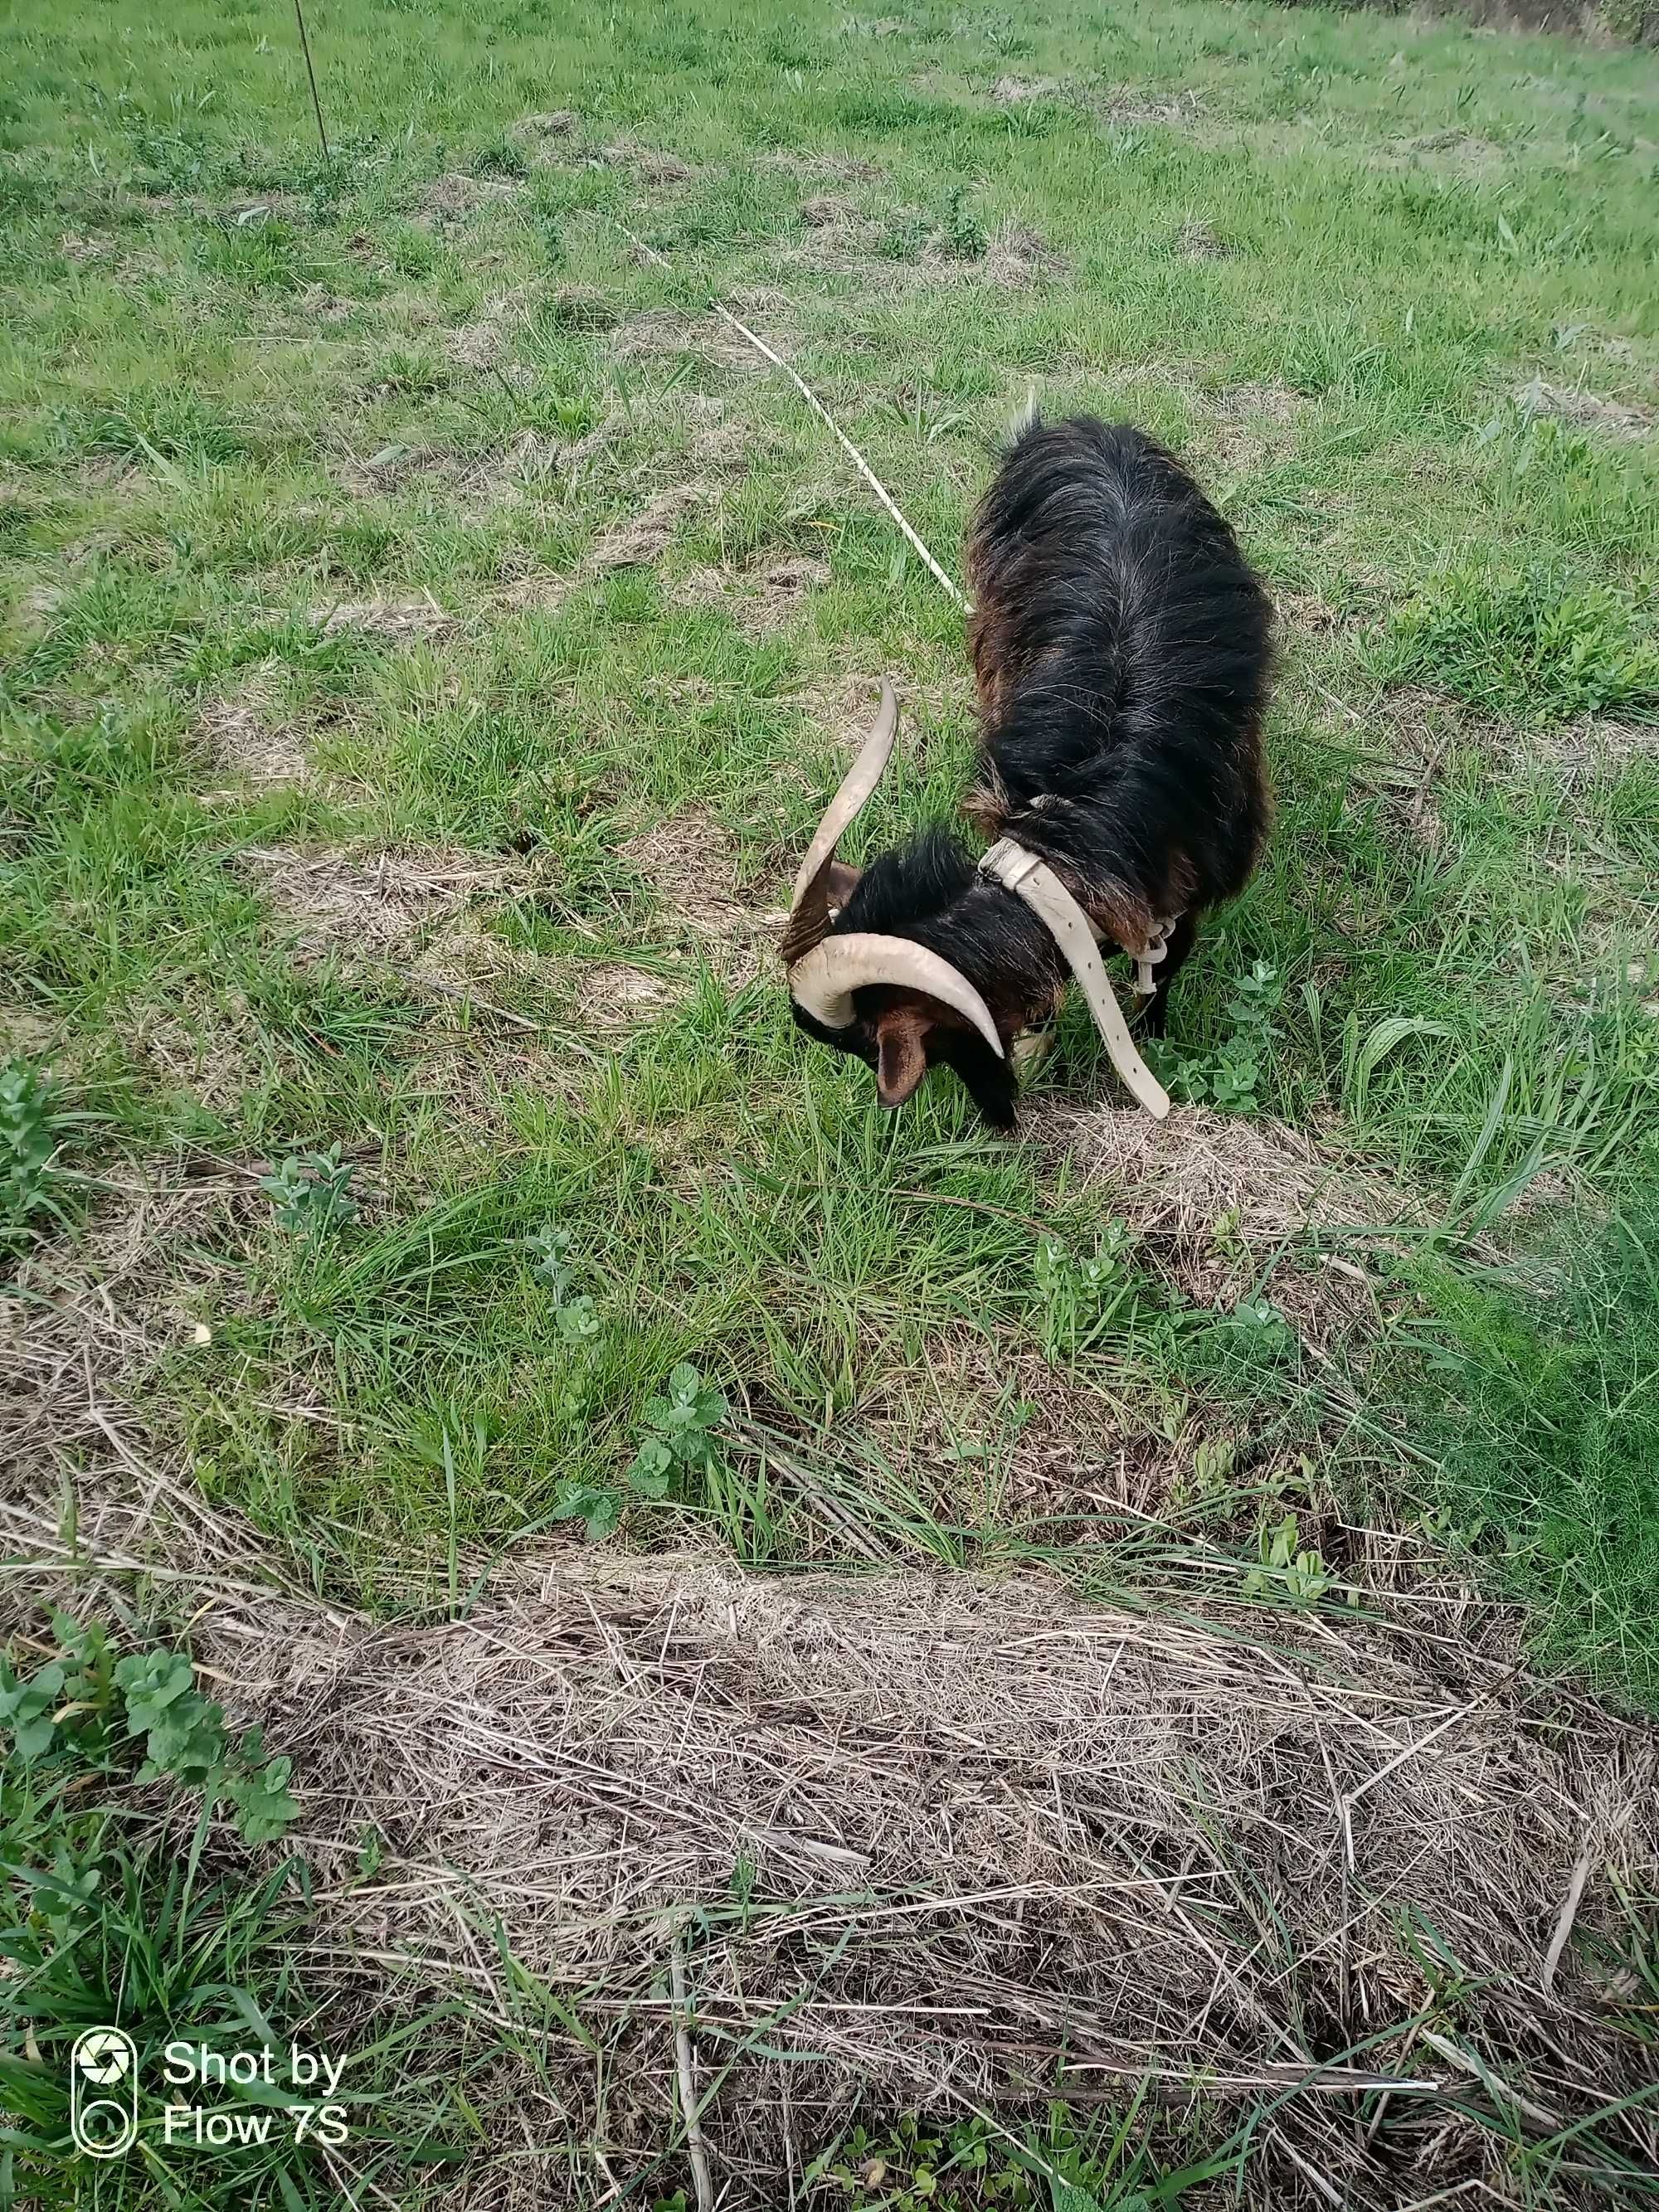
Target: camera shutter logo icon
[104,2059]
[104,2055]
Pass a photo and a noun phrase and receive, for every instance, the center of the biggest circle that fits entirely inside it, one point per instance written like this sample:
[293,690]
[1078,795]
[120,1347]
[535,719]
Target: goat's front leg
[1178,945]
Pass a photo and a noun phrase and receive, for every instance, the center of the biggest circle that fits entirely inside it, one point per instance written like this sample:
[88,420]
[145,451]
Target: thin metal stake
[305,47]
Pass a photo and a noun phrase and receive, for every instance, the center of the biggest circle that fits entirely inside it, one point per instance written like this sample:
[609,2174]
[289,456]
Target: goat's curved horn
[823,979]
[809,902]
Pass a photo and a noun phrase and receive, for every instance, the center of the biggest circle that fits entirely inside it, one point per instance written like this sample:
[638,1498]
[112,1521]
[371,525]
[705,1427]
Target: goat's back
[1122,647]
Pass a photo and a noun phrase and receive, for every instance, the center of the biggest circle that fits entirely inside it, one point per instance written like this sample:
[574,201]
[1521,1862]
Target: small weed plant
[680,1441]
[1233,1077]
[34,1125]
[84,1709]
[311,1194]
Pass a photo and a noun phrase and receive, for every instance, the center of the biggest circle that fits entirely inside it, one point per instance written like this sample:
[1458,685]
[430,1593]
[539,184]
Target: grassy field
[430,634]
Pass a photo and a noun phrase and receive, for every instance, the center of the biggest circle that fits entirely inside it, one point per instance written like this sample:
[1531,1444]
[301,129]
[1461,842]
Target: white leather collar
[1034,881]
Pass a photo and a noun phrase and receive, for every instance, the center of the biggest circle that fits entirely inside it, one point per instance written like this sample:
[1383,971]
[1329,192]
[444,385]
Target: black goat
[1121,648]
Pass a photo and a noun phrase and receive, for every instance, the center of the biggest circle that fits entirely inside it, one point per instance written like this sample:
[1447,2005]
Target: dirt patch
[644,537]
[217,1058]
[395,465]
[474,1074]
[1598,745]
[1015,1442]
[333,901]
[41,601]
[455,197]
[1308,611]
[248,744]
[1017,255]
[1584,411]
[652,165]
[1196,241]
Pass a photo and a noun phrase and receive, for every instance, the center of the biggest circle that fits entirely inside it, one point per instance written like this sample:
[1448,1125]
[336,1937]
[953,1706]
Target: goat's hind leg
[1178,947]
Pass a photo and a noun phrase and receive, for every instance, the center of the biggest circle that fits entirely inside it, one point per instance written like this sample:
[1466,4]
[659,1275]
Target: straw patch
[761,599]
[1196,241]
[1210,1194]
[1178,1176]
[1130,106]
[1614,418]
[611,994]
[646,537]
[401,620]
[486,340]
[1084,1848]
[661,333]
[1458,153]
[1019,91]
[94,1311]
[248,744]
[454,197]
[692,865]
[421,910]
[650,164]
[1018,255]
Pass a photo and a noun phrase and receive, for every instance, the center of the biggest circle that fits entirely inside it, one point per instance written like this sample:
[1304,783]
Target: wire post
[317,104]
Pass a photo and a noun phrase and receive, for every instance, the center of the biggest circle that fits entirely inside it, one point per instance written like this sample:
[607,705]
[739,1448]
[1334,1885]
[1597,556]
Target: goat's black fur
[1122,648]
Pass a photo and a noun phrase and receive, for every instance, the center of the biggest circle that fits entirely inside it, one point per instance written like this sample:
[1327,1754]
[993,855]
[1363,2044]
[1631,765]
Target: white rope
[823,416]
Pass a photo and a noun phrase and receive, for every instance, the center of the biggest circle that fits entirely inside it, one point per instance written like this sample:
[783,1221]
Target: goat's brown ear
[844,882]
[901,1053]
[809,925]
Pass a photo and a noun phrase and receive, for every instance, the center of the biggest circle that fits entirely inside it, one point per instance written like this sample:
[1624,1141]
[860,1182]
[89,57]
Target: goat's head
[892,1002]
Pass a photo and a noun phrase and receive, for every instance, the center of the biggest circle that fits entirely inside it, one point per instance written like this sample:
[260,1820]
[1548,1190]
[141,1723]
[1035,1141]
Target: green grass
[243,389]
[1542,1412]
[234,399]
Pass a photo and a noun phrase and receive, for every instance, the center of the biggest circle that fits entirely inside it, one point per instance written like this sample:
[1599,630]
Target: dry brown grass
[1217,1200]
[645,536]
[386,903]
[1585,410]
[951,1844]
[1179,1176]
[659,333]
[250,743]
[761,598]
